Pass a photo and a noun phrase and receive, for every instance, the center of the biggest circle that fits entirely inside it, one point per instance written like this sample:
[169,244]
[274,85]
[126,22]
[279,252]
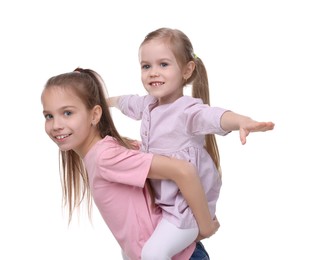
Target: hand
[212,230]
[253,126]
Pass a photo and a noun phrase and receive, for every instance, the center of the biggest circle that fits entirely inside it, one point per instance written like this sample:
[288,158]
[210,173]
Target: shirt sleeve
[121,165]
[203,119]
[133,105]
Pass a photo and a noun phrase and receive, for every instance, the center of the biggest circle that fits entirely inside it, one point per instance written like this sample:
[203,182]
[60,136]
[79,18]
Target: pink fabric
[117,177]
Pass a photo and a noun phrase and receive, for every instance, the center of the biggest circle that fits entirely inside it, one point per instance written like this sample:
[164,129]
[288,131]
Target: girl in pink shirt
[98,164]
[182,127]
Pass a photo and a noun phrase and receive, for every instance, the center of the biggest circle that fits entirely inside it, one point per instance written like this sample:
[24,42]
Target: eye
[67,113]
[145,66]
[164,64]
[48,116]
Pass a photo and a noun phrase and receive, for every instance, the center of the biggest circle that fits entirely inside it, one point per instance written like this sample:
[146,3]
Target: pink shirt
[178,130]
[117,176]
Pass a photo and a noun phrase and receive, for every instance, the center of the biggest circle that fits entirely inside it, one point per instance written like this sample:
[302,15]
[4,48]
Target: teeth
[156,84]
[61,136]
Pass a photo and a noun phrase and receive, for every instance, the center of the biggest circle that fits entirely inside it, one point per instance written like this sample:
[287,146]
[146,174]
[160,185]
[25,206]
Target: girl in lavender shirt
[182,127]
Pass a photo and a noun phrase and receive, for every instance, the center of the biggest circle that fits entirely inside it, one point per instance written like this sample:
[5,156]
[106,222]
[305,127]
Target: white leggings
[167,240]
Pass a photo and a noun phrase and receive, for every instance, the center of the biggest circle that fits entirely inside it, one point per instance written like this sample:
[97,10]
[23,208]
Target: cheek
[143,74]
[82,126]
[47,127]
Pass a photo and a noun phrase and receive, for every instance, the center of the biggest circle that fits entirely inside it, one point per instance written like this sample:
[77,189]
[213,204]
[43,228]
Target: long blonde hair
[89,87]
[182,48]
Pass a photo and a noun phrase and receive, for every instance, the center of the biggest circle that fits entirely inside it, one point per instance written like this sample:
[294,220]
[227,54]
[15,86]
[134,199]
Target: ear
[96,114]
[188,70]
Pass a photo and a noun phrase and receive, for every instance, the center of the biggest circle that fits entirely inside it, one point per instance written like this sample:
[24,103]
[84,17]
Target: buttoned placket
[145,130]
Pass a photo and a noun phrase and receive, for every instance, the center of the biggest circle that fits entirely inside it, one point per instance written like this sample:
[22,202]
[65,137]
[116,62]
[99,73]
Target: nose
[154,73]
[57,123]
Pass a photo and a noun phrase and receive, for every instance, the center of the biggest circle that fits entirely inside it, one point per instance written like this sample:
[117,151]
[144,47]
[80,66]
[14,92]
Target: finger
[242,136]
[263,126]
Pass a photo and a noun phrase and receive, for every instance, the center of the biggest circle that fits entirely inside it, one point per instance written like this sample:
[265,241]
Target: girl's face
[67,121]
[160,73]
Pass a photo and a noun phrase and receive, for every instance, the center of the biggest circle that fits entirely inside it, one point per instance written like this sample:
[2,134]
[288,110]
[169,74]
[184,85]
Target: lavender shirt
[177,130]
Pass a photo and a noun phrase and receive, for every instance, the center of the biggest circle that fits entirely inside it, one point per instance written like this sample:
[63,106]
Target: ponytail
[200,89]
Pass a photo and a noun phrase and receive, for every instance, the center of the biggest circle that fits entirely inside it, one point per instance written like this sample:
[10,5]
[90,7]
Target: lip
[61,138]
[156,83]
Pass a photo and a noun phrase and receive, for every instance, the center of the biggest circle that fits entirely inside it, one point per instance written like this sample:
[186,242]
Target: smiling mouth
[156,84]
[61,137]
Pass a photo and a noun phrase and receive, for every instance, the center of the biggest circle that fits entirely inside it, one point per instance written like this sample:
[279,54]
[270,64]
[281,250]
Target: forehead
[59,96]
[57,91]
[156,48]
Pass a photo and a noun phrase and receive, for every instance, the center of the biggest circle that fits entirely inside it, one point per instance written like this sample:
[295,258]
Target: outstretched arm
[113,101]
[184,175]
[231,121]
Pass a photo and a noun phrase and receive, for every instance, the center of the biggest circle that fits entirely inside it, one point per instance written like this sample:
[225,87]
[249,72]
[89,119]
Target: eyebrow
[158,60]
[61,108]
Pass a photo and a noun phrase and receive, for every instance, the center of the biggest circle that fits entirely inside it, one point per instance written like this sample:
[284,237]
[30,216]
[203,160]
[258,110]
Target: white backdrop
[257,54]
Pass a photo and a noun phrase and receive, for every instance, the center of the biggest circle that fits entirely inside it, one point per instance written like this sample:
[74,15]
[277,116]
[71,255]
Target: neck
[94,138]
[168,100]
